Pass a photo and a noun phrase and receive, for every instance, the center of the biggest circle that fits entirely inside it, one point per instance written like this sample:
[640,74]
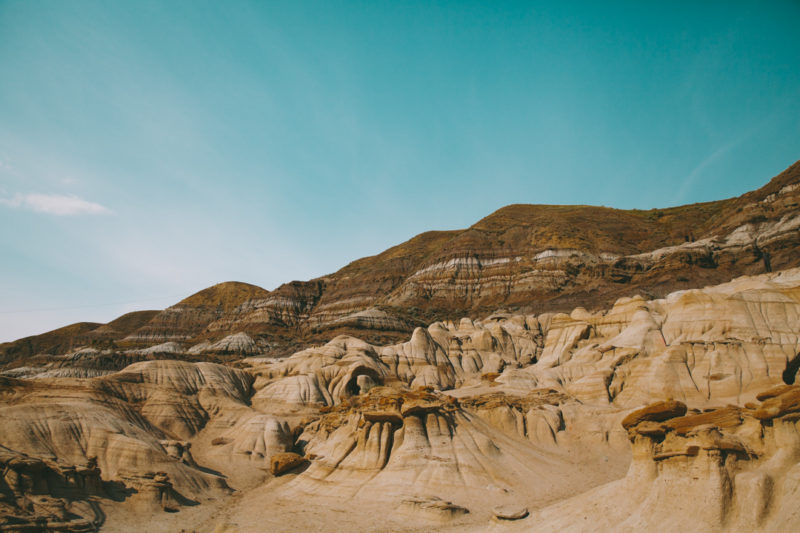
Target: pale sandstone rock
[200,347]
[163,348]
[511,410]
[509,512]
[125,420]
[259,437]
[676,347]
[238,343]
[434,508]
[712,467]
[153,491]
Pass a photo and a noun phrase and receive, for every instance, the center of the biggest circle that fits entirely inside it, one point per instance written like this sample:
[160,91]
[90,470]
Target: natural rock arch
[354,386]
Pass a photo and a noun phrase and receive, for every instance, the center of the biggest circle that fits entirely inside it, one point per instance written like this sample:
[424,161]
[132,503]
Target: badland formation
[550,368]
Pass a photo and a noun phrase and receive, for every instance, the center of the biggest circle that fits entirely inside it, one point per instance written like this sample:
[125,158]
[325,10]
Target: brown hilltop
[58,340]
[130,321]
[224,296]
[532,258]
[64,339]
[189,317]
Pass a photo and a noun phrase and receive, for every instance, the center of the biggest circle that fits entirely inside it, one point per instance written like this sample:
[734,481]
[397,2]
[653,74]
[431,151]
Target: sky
[151,149]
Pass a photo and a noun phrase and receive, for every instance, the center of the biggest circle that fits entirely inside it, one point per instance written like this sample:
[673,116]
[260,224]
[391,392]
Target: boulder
[510,512]
[788,401]
[280,463]
[655,412]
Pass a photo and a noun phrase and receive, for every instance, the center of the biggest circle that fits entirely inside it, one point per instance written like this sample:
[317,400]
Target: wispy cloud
[55,204]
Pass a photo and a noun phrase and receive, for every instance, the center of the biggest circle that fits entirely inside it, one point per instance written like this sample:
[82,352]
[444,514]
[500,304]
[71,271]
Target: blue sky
[151,149]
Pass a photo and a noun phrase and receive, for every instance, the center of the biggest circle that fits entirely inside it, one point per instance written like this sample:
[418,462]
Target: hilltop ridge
[530,258]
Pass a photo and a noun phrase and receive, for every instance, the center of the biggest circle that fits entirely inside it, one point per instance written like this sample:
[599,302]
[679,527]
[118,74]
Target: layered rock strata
[520,258]
[727,469]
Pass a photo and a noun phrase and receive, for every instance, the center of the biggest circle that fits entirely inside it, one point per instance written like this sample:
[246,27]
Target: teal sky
[151,149]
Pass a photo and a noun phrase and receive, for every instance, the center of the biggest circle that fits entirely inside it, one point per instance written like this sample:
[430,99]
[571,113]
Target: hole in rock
[352,388]
[791,370]
[361,381]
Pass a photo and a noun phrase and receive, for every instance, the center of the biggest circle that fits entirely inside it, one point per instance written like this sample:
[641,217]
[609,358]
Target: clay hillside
[528,258]
[439,387]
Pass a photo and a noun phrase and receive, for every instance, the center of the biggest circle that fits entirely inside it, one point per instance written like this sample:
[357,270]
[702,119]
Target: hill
[527,258]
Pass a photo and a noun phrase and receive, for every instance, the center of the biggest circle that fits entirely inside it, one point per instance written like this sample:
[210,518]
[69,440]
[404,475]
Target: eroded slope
[467,423]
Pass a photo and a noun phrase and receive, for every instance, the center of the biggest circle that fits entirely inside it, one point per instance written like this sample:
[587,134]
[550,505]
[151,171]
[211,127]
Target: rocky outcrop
[40,494]
[726,469]
[281,463]
[238,343]
[721,344]
[130,423]
[288,306]
[396,445]
[152,491]
[657,412]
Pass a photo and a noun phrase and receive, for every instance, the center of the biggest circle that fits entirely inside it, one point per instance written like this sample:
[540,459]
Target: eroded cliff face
[522,258]
[725,469]
[527,421]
